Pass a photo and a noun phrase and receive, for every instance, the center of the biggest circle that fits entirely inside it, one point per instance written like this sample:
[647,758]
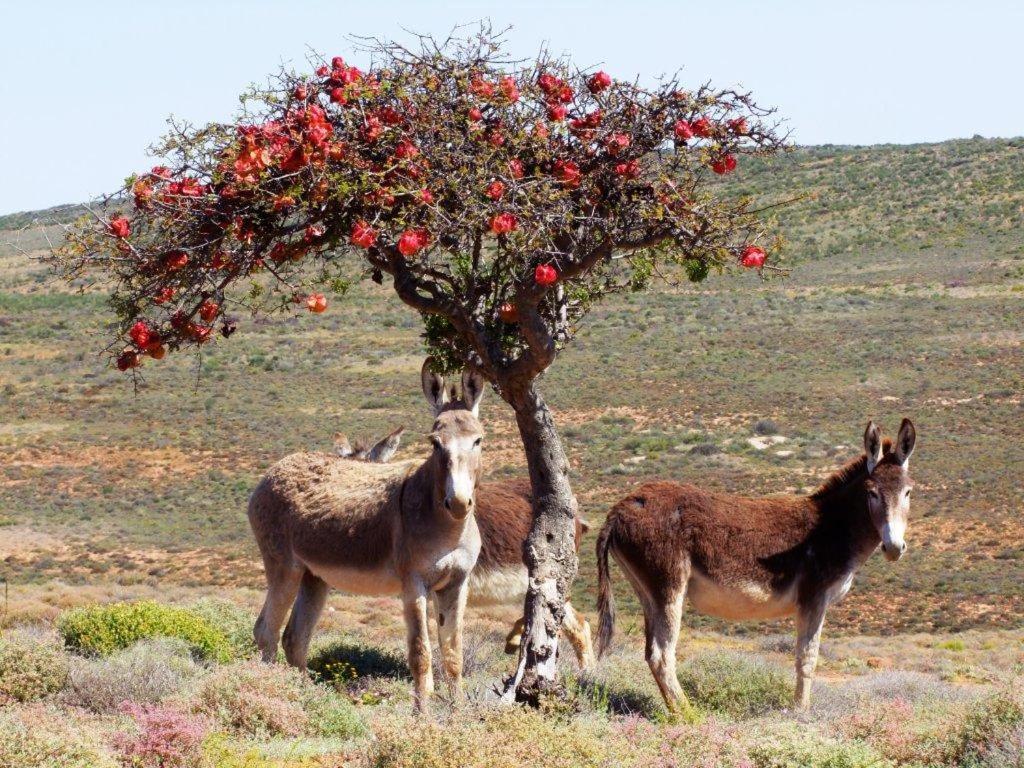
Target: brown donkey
[504,515]
[753,558]
[323,521]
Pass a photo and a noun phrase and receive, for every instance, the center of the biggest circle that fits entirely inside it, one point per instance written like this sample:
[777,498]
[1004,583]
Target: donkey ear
[905,442]
[873,445]
[342,446]
[384,450]
[472,390]
[433,387]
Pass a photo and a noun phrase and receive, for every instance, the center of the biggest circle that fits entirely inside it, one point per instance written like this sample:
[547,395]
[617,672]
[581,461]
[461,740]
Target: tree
[502,199]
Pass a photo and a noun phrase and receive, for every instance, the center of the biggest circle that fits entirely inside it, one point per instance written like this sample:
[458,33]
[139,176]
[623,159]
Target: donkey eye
[436,443]
[476,443]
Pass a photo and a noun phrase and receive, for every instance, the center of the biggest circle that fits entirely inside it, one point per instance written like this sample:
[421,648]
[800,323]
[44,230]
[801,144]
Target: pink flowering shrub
[164,738]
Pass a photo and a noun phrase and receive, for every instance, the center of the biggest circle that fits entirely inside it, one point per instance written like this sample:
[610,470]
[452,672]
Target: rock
[635,459]
[705,449]
[765,441]
[783,454]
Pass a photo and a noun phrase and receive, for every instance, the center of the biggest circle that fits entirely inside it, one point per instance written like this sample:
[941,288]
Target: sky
[86,87]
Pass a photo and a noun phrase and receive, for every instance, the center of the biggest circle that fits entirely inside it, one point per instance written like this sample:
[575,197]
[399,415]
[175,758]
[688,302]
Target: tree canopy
[502,198]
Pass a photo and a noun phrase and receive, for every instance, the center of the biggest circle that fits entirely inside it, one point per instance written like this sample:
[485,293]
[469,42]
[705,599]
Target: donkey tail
[605,599]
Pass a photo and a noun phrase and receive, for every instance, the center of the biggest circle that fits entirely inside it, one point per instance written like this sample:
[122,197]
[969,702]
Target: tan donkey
[753,558]
[504,515]
[406,529]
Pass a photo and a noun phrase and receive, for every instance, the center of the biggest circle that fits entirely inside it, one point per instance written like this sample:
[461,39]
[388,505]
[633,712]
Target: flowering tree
[502,199]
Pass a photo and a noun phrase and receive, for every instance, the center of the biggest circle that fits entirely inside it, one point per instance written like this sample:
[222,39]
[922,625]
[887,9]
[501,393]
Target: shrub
[735,684]
[802,748]
[102,629]
[343,662]
[41,739]
[988,728]
[148,672]
[257,699]
[164,738]
[500,738]
[234,621]
[31,666]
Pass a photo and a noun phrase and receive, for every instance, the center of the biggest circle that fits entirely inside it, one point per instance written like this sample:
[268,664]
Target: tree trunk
[550,550]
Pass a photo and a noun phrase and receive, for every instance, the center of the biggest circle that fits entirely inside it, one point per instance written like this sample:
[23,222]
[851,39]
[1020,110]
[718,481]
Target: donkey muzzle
[894,550]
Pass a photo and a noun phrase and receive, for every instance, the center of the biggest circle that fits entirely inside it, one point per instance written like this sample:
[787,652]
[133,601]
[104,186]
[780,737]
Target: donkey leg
[662,619]
[515,637]
[577,631]
[451,610]
[808,640]
[305,614]
[282,586]
[415,603]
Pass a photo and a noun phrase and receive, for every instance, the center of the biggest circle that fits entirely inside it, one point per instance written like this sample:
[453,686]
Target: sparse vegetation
[111,496]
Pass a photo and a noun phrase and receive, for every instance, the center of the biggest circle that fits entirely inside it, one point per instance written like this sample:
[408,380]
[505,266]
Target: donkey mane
[852,471]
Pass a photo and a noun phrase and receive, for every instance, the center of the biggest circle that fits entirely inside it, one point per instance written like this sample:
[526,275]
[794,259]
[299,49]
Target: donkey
[504,514]
[406,529]
[753,558]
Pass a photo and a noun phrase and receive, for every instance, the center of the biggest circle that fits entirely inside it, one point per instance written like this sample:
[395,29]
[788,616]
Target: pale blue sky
[85,87]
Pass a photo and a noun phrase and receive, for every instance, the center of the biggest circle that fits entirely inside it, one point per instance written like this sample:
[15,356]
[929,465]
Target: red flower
[504,223]
[724,165]
[129,358]
[337,63]
[616,143]
[548,83]
[567,172]
[495,190]
[509,88]
[683,130]
[156,350]
[515,168]
[426,196]
[701,127]
[163,296]
[372,128]
[413,241]
[739,126]
[406,150]
[208,310]
[628,170]
[476,115]
[316,303]
[363,235]
[199,333]
[753,257]
[545,274]
[599,81]
[283,202]
[175,260]
[557,113]
[481,87]
[338,96]
[322,71]
[301,92]
[140,334]
[161,171]
[120,227]
[313,231]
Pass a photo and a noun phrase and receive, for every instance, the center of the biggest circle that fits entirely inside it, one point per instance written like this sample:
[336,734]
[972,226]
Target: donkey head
[456,438]
[888,485]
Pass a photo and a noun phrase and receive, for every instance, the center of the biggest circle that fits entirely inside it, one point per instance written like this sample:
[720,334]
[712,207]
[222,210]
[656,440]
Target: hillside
[916,311]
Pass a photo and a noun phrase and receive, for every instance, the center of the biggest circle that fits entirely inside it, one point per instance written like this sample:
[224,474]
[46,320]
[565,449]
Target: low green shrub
[234,621]
[100,630]
[798,747]
[32,666]
[256,699]
[342,662]
[735,684]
